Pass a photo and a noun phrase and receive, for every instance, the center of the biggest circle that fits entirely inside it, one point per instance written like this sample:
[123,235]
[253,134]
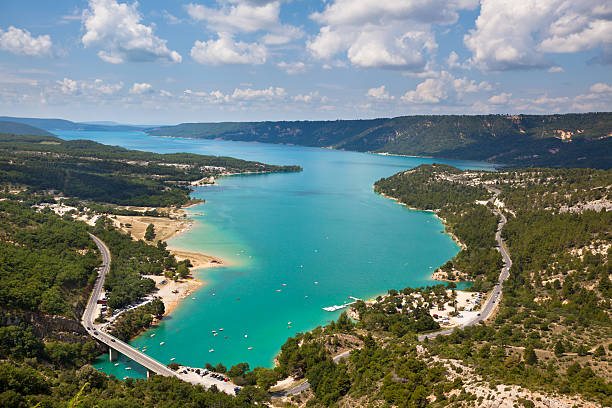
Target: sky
[173,61]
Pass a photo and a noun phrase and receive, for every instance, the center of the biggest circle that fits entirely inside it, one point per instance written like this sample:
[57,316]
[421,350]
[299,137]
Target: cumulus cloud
[379,94]
[600,87]
[141,88]
[444,87]
[501,99]
[21,42]
[292,68]
[383,33]
[69,86]
[518,35]
[116,30]
[239,96]
[224,50]
[243,16]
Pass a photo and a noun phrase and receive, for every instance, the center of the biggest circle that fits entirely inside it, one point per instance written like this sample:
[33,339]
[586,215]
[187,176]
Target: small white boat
[250,348]
[316,282]
[221,329]
[153,335]
[162,343]
[215,334]
[245,336]
[128,368]
[289,323]
[211,350]
[284,284]
[278,290]
[172,359]
[116,364]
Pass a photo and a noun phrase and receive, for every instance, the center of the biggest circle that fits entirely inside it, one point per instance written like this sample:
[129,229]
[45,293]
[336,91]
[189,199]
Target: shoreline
[460,244]
[174,224]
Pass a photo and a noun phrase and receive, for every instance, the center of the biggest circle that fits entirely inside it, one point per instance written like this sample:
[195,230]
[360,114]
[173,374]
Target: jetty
[342,306]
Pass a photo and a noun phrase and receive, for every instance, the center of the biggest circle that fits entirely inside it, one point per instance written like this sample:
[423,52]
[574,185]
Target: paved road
[306,385]
[88,318]
[150,363]
[492,301]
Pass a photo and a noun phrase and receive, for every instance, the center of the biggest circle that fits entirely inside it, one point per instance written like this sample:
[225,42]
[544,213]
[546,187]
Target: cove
[281,233]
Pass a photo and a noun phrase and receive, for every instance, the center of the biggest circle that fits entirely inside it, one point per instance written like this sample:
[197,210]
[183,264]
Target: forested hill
[62,124]
[568,140]
[17,128]
[92,171]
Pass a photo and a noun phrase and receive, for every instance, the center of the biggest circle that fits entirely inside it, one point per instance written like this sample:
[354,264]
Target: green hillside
[569,140]
[16,128]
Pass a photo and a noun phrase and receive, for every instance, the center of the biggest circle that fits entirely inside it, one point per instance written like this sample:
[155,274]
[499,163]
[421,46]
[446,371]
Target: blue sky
[164,62]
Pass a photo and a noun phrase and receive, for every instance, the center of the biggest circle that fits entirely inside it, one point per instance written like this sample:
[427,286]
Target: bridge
[114,344]
[117,346]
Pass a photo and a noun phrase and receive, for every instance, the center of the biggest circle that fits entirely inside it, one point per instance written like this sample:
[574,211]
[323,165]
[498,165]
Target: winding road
[492,301]
[114,343]
[87,321]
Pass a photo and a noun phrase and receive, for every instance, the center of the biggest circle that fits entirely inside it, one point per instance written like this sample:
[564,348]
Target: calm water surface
[318,236]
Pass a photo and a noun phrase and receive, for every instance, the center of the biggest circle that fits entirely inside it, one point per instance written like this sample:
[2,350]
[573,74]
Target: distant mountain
[568,140]
[16,128]
[61,124]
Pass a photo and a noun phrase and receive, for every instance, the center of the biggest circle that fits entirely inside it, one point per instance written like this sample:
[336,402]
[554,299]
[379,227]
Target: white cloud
[116,30]
[239,95]
[501,99]
[383,33]
[445,87]
[141,88]
[517,35]
[453,61]
[21,42]
[292,68]
[69,86]
[224,50]
[248,93]
[310,97]
[600,87]
[379,94]
[246,17]
[240,17]
[556,69]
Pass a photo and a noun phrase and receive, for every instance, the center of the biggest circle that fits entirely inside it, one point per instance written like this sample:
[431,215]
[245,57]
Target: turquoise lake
[286,232]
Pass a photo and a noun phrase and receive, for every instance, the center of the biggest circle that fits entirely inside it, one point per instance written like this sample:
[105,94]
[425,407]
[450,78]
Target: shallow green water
[323,225]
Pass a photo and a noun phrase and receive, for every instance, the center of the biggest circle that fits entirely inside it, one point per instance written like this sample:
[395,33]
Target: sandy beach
[171,292]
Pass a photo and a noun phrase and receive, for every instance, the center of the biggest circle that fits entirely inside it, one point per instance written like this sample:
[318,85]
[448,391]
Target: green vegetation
[569,140]
[91,171]
[46,262]
[130,261]
[16,128]
[133,322]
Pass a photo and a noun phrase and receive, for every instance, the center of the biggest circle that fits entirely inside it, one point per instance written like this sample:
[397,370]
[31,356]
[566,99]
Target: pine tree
[530,356]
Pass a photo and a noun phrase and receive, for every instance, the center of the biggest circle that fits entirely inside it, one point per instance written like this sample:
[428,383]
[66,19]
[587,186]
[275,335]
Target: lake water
[285,232]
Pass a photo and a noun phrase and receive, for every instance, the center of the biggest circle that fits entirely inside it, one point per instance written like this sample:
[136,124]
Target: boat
[153,335]
[211,350]
[116,364]
[162,343]
[289,323]
[316,283]
[221,329]
[250,348]
[284,284]
[214,334]
[172,359]
[278,290]
[245,336]
[128,368]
